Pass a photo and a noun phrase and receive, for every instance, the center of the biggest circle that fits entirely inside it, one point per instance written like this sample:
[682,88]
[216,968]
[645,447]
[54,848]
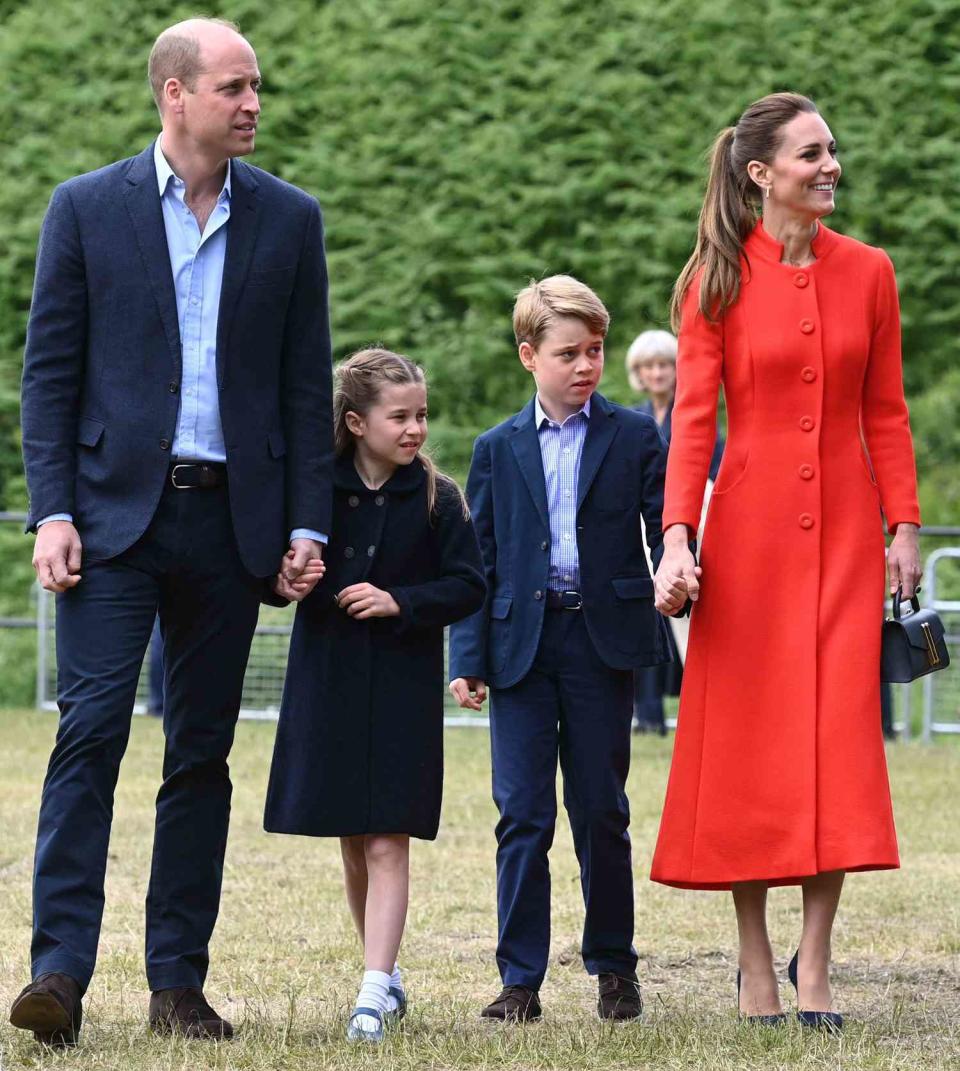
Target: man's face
[220,115]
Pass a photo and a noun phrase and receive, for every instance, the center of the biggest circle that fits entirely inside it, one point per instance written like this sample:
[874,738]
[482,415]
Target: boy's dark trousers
[573,705]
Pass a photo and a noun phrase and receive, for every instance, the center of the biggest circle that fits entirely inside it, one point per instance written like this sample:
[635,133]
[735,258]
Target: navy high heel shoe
[817,1020]
[776,1019]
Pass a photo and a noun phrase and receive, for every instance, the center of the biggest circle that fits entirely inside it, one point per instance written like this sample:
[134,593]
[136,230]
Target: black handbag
[911,646]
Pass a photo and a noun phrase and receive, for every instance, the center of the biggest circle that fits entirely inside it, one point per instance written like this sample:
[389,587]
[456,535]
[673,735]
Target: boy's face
[566,364]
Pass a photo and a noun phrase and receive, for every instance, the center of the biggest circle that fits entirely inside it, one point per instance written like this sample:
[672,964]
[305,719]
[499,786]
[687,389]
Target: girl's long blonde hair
[731,205]
[357,384]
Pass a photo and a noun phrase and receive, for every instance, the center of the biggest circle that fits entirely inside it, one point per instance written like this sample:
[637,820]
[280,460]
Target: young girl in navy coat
[359,751]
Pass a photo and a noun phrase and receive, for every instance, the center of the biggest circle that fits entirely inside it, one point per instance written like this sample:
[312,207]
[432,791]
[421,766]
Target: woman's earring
[768,192]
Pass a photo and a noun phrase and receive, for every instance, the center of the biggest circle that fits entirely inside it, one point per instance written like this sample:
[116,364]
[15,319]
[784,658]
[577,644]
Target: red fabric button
[807,326]
[800,280]
[808,374]
[806,472]
[806,520]
[807,423]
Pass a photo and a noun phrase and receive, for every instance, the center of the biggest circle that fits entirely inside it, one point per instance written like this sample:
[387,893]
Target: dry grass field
[285,962]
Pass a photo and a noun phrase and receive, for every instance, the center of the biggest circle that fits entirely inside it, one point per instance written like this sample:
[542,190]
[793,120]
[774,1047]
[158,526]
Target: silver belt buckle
[579,600]
[181,486]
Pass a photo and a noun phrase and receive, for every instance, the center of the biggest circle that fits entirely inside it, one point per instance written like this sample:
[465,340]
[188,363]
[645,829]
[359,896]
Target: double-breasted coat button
[806,472]
[164,444]
[806,520]
[808,374]
[538,595]
[807,423]
[545,545]
[807,326]
[348,552]
[800,279]
[371,551]
[354,500]
[379,500]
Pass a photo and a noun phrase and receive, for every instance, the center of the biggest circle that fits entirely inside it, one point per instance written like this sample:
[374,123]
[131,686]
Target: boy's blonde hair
[541,303]
[357,383]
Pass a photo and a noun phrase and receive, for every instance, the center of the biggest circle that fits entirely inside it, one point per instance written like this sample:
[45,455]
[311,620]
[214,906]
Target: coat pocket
[633,587]
[89,431]
[500,607]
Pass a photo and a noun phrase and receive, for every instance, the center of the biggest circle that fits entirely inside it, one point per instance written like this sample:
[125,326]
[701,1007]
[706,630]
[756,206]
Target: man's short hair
[176,54]
[541,303]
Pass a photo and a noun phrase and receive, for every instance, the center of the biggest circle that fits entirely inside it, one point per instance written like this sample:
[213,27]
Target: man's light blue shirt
[196,262]
[561,448]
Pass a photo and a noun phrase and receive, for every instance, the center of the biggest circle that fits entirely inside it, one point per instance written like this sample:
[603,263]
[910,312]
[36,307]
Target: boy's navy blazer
[102,369]
[622,470]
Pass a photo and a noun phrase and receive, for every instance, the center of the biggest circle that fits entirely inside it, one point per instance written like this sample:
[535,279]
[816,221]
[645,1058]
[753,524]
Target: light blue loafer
[357,1031]
[401,1009]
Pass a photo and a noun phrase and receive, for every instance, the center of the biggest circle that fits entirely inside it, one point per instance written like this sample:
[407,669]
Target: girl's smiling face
[394,429]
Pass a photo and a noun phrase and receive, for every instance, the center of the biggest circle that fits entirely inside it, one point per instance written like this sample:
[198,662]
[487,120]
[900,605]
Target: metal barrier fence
[263,685]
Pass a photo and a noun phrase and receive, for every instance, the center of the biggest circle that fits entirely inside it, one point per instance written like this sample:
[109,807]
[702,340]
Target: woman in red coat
[779,774]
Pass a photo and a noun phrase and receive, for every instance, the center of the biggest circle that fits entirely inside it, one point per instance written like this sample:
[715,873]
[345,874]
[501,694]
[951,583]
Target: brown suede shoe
[619,997]
[185,1011]
[51,1008]
[516,1004]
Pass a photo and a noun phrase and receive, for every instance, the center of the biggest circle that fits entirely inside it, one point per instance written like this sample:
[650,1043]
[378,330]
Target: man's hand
[678,577]
[903,560]
[364,600]
[469,692]
[295,560]
[299,589]
[56,556]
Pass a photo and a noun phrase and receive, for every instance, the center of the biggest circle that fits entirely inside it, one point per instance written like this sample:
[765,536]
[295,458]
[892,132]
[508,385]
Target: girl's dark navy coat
[360,741]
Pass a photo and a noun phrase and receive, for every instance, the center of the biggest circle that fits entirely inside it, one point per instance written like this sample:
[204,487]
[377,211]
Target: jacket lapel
[526,449]
[143,204]
[241,239]
[600,434]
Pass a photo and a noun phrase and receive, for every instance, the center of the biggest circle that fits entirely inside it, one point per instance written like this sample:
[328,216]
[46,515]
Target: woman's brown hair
[357,384]
[731,205]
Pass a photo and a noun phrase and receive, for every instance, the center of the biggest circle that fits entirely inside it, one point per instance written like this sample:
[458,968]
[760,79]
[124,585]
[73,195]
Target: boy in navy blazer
[557,493]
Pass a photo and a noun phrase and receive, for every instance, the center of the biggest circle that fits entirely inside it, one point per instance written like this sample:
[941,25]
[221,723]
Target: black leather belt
[197,475]
[564,600]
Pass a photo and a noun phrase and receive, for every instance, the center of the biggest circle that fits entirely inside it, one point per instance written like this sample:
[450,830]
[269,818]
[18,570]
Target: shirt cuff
[56,517]
[307,533]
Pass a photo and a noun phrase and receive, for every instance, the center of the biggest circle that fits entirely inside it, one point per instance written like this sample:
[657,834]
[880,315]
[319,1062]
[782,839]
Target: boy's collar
[540,415]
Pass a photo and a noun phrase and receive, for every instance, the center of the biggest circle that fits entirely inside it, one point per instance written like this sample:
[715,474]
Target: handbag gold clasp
[933,655]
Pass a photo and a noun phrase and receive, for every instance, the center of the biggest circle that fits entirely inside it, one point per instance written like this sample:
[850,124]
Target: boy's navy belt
[564,600]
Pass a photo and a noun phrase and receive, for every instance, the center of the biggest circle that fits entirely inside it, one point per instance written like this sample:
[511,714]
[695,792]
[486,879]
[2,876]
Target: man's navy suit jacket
[622,470]
[102,369]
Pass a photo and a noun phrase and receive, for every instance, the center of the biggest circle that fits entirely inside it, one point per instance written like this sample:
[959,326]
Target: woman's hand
[678,576]
[364,600]
[903,560]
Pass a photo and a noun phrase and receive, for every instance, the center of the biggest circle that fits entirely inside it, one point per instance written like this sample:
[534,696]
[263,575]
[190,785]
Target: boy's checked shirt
[561,447]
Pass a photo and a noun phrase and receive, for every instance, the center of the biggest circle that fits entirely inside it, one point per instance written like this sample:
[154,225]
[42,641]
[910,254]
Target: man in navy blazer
[557,493]
[177,437]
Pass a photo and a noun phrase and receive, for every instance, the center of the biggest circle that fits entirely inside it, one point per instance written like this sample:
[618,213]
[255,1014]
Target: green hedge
[460,148]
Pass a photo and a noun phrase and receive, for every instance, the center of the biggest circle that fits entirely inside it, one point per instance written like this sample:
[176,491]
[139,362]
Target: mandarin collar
[765,246]
[407,478]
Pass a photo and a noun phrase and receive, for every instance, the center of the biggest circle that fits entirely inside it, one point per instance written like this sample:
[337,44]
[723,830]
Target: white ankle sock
[373,994]
[395,980]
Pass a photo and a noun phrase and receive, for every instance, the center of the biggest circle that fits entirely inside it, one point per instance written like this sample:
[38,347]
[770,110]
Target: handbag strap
[914,602]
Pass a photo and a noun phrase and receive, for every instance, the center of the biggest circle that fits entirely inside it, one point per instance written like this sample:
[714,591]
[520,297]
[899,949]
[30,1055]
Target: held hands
[294,581]
[364,600]
[56,556]
[469,692]
[903,560]
[678,577]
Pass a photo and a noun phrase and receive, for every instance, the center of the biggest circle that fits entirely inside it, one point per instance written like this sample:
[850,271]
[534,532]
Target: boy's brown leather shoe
[516,1004]
[51,1007]
[185,1011]
[619,997]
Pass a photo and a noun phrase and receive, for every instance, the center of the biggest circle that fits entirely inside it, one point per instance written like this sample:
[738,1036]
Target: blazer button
[379,500]
[164,444]
[371,551]
[807,327]
[800,279]
[806,472]
[354,500]
[348,552]
[173,386]
[808,374]
[806,520]
[807,423]
[538,595]
[545,545]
